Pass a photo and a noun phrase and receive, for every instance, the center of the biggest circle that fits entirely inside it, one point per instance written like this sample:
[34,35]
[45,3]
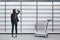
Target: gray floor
[29,37]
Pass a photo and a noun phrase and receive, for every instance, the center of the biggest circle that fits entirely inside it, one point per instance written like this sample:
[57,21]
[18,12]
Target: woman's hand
[18,11]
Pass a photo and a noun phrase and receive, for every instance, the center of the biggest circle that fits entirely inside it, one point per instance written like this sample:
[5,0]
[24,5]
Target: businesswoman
[14,20]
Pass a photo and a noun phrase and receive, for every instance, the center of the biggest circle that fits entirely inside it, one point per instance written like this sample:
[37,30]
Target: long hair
[14,11]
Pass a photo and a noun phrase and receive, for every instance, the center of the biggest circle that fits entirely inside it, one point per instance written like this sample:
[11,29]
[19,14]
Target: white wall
[29,14]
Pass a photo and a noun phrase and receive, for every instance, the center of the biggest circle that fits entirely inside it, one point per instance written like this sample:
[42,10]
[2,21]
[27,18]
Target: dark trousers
[14,23]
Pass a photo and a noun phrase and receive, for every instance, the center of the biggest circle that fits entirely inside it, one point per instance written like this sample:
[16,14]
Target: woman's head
[14,11]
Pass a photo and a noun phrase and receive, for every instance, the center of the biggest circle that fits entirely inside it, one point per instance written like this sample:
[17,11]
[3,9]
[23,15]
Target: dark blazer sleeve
[11,17]
[18,12]
[17,16]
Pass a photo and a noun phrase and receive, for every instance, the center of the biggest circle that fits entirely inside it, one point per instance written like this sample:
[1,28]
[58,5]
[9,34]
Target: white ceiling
[30,0]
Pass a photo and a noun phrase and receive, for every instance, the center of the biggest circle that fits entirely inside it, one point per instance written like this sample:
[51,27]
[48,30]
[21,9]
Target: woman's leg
[12,28]
[16,28]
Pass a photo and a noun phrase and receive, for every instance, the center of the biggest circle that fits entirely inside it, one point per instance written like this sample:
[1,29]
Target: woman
[14,20]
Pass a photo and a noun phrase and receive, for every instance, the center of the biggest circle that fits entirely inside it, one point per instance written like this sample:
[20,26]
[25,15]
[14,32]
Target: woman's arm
[18,11]
[11,17]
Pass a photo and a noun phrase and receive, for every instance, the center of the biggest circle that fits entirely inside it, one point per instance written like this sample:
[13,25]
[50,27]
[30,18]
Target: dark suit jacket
[12,18]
